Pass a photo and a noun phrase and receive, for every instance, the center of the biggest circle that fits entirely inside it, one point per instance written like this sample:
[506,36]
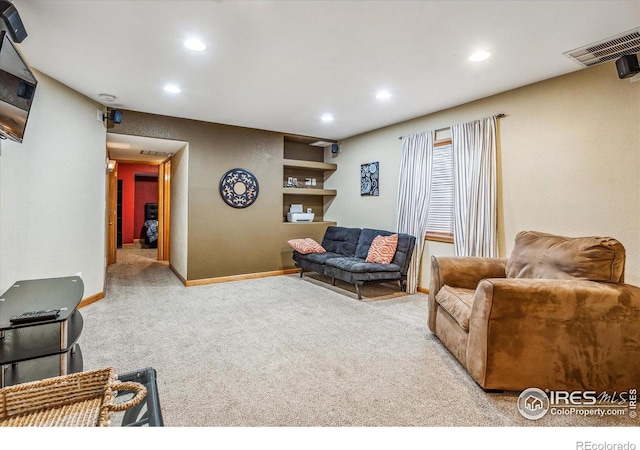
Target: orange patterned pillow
[306,245]
[383,249]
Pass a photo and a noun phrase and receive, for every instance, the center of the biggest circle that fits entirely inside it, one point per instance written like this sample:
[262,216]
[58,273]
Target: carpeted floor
[288,351]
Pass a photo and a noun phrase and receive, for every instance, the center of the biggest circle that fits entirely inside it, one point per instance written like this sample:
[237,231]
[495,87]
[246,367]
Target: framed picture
[370,179]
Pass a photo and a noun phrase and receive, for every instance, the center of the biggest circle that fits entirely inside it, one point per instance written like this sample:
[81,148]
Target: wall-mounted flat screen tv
[17,88]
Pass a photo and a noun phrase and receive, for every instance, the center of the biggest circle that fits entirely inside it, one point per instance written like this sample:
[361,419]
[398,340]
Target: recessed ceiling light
[383,95]
[327,118]
[480,55]
[195,45]
[172,88]
[107,98]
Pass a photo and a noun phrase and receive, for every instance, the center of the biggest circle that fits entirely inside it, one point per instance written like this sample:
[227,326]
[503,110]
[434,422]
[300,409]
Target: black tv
[17,88]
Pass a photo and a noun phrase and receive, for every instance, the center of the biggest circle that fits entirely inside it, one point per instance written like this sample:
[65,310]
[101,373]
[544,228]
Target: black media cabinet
[37,350]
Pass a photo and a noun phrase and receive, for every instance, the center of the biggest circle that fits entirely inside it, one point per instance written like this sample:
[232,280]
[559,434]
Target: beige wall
[222,241]
[569,160]
[52,192]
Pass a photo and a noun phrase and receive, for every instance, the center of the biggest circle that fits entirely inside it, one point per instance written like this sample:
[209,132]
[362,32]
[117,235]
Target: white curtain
[475,198]
[414,187]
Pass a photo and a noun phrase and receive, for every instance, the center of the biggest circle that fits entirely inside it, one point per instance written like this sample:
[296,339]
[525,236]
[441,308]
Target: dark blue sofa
[346,253]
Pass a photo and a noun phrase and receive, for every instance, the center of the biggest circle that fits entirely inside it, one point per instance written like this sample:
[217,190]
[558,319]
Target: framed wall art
[370,179]
[239,188]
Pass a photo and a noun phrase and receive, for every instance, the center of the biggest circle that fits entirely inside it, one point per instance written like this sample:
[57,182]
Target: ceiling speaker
[115,116]
[627,66]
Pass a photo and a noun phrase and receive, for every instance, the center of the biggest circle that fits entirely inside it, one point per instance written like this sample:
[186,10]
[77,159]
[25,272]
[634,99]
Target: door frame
[164,208]
[112,213]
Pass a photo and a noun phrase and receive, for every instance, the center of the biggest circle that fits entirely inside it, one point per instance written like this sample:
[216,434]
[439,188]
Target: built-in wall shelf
[309,165]
[304,173]
[309,191]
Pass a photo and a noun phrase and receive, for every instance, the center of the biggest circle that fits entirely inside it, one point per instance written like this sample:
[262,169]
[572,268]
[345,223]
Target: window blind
[440,217]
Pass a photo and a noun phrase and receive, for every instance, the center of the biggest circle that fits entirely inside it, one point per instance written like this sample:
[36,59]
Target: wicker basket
[83,399]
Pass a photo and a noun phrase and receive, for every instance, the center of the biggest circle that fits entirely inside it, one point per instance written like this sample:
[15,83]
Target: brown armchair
[555,315]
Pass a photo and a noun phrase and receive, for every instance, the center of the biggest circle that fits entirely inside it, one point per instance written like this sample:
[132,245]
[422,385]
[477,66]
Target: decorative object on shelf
[291,182]
[239,188]
[370,178]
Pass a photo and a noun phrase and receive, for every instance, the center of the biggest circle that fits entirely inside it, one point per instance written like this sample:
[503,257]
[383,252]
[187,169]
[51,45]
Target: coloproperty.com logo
[534,403]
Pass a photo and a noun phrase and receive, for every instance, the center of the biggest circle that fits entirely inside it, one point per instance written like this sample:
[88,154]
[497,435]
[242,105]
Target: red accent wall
[134,196]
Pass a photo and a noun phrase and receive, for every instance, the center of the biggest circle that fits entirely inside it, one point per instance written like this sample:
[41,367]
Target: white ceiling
[280,65]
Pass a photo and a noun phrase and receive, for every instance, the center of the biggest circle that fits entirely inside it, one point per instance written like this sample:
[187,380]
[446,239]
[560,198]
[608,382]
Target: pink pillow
[306,245]
[383,249]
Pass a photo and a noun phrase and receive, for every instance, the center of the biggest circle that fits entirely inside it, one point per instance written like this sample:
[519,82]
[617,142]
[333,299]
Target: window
[440,219]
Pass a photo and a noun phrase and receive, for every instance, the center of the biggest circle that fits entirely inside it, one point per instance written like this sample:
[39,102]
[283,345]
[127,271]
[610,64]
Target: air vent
[608,49]
[321,144]
[154,153]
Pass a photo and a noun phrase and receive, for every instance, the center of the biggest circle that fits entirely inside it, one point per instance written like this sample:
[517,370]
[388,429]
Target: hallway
[139,267]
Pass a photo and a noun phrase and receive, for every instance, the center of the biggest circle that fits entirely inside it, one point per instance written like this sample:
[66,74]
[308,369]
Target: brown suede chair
[555,315]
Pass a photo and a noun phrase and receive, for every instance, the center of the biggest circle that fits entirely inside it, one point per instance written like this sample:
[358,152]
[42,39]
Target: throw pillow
[383,249]
[306,245]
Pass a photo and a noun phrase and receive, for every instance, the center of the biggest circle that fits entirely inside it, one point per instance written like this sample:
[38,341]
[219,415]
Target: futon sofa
[345,256]
[555,315]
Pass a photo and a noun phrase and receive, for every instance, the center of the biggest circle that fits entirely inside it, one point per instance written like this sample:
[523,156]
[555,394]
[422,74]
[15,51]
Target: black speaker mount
[12,20]
[627,66]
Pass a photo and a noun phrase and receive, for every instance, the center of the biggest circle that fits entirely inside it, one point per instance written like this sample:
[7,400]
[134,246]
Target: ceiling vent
[154,153]
[608,49]
[321,144]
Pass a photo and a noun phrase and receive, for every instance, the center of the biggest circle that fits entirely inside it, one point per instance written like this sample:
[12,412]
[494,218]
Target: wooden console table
[37,350]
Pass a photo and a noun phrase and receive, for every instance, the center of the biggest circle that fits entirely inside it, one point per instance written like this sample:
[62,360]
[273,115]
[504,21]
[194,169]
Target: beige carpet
[288,352]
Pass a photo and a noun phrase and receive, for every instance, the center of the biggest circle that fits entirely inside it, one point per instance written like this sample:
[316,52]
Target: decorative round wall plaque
[239,188]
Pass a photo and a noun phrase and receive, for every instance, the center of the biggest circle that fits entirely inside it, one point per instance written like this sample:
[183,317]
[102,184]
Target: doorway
[140,199]
[139,179]
[138,208]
